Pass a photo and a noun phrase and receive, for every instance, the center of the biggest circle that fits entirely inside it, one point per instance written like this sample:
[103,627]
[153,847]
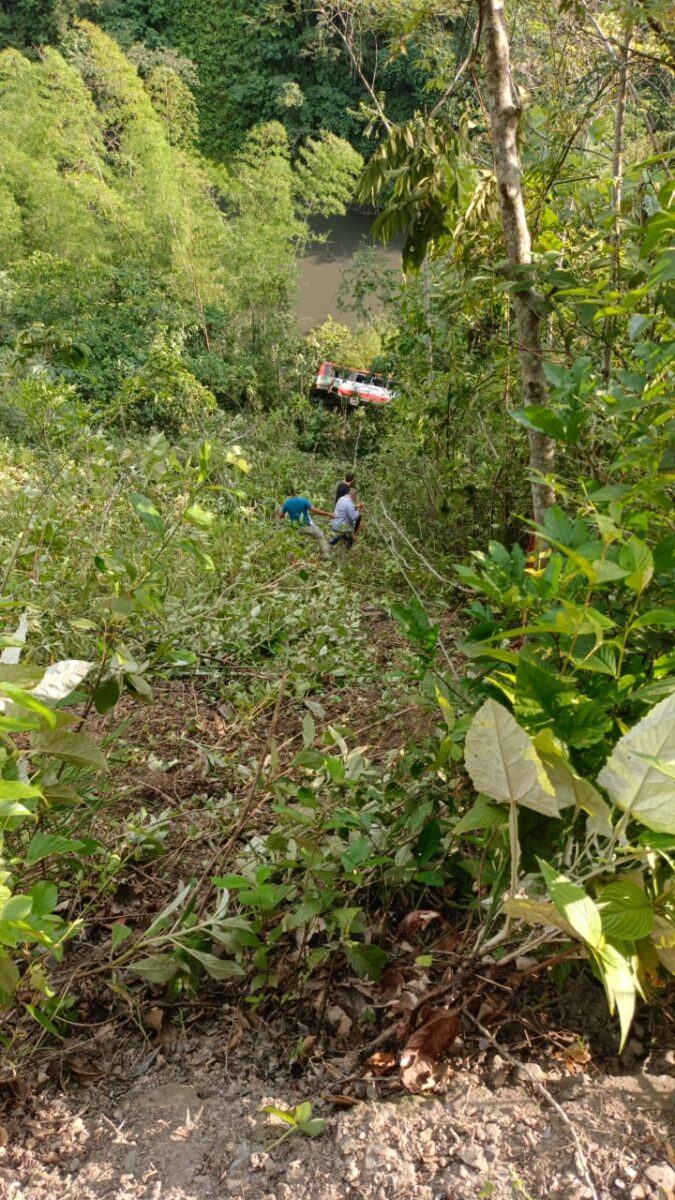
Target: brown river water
[322,267]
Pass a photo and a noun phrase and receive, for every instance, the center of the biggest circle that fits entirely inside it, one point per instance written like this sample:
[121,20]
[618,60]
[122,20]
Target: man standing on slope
[346,519]
[299,511]
[343,489]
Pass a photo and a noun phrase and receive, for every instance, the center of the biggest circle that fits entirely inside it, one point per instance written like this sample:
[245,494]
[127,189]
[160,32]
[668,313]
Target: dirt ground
[183,1121]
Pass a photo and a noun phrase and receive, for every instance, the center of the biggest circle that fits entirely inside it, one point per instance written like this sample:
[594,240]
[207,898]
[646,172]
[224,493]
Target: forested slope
[360,798]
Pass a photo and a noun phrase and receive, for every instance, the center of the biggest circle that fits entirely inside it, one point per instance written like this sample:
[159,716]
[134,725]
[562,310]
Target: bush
[164,394]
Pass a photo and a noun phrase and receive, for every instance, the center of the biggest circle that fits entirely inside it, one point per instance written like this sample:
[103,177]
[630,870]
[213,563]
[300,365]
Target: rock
[636,1047]
[662,1176]
[473,1156]
[637,1192]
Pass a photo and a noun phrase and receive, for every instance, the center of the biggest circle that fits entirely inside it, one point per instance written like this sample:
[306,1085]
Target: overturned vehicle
[353,386]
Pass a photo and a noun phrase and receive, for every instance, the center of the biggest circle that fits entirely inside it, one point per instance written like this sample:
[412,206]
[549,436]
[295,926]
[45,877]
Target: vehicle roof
[359,370]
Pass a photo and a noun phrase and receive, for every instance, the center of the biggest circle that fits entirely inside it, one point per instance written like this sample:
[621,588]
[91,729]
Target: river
[321,268]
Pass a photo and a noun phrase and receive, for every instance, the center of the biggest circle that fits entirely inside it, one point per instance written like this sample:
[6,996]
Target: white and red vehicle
[353,385]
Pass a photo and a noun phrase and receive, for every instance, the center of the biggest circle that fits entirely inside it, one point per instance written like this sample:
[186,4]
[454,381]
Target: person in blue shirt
[300,511]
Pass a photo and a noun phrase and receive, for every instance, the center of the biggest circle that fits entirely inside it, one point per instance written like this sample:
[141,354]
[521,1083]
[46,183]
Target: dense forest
[229,765]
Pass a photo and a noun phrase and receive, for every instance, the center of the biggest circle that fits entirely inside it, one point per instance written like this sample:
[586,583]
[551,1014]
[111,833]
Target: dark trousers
[346,536]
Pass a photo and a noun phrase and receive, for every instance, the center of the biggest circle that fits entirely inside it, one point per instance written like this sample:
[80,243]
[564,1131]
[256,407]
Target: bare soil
[181,1119]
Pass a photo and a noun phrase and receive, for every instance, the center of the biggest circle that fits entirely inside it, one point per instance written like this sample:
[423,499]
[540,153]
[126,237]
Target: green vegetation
[472,714]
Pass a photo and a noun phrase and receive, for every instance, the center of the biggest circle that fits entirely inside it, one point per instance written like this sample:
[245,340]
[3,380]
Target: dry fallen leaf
[390,986]
[380,1062]
[425,1046]
[344,1101]
[4,1137]
[416,920]
[338,1018]
[85,1071]
[153,1018]
[578,1054]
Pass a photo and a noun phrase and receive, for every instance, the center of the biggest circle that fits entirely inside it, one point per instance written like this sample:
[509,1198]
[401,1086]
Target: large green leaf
[157,968]
[578,909]
[619,979]
[636,557]
[25,700]
[631,775]
[23,675]
[147,513]
[76,748]
[217,968]
[537,912]
[544,700]
[625,912]
[503,763]
[572,789]
[42,845]
[482,815]
[9,978]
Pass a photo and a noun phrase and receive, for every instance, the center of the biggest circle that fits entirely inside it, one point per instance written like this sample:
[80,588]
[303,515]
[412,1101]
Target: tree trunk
[504,109]
[617,183]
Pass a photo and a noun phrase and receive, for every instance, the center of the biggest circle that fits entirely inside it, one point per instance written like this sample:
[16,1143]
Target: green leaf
[25,700]
[632,781]
[14,808]
[281,1113]
[42,845]
[217,968]
[367,961]
[107,695]
[44,896]
[655,618]
[16,908]
[199,516]
[482,815]
[312,1128]
[571,901]
[9,978]
[118,934]
[571,788]
[308,730]
[636,558]
[76,748]
[535,416]
[503,763]
[663,269]
[302,1112]
[13,789]
[544,700]
[157,968]
[618,977]
[625,912]
[23,675]
[147,513]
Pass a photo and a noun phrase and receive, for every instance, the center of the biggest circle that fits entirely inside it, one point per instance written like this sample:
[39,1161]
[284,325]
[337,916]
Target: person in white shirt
[344,520]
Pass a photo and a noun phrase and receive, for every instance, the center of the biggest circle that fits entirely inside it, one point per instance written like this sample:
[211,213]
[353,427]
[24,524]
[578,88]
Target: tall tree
[505,107]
